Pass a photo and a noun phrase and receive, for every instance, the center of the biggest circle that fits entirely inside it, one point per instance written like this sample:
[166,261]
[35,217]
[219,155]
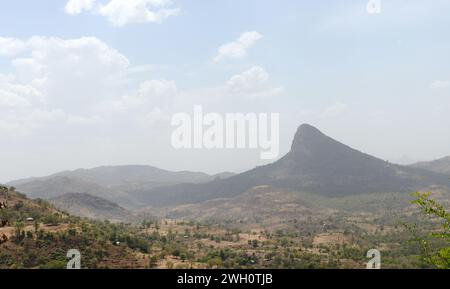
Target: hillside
[300,238]
[92,207]
[54,186]
[316,164]
[34,234]
[439,166]
[118,184]
[251,207]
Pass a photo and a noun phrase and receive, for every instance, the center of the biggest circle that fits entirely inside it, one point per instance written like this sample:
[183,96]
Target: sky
[85,83]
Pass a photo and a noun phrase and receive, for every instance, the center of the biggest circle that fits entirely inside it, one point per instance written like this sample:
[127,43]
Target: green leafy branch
[432,209]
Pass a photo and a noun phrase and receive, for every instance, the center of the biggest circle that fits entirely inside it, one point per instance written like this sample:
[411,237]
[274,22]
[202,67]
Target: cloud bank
[124,12]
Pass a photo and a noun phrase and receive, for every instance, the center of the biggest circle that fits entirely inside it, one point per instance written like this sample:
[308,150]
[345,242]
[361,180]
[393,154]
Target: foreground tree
[438,258]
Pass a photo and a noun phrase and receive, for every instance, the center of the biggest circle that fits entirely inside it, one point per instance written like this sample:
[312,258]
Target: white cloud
[72,73]
[77,6]
[11,100]
[61,83]
[238,48]
[84,120]
[157,90]
[248,80]
[157,117]
[14,95]
[252,83]
[11,46]
[58,80]
[333,111]
[25,120]
[149,95]
[123,12]
[440,84]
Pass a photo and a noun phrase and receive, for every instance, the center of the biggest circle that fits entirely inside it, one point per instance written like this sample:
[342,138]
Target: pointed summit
[317,163]
[307,130]
[307,134]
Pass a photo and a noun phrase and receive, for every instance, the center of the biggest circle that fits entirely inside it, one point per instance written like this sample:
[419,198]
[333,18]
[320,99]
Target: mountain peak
[308,130]
[316,164]
[307,133]
[307,127]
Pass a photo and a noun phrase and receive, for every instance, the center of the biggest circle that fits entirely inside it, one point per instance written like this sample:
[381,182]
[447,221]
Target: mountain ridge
[441,165]
[114,183]
[316,164]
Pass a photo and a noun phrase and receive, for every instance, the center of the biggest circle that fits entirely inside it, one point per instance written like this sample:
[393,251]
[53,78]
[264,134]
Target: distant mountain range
[316,164]
[115,183]
[439,166]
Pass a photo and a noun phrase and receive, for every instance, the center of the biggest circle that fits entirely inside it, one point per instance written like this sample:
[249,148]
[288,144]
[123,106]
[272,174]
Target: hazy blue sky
[85,83]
